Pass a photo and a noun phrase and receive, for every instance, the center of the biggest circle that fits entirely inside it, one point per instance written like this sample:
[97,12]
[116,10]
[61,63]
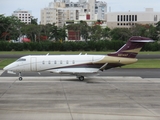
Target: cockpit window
[21,59]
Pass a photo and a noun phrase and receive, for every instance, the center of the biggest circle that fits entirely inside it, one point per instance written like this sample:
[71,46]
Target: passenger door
[33,64]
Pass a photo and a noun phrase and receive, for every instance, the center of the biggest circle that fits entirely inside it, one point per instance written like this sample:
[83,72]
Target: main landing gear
[81,78]
[20,77]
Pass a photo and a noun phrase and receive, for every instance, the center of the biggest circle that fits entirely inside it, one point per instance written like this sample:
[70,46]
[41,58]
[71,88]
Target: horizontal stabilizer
[144,41]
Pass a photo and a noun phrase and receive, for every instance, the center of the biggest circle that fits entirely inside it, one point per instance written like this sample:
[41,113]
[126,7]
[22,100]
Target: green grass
[142,63]
[145,63]
[4,62]
[64,52]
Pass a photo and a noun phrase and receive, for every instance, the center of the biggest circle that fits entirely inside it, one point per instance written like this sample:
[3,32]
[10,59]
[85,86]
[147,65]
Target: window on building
[121,17]
[135,17]
[129,17]
[155,18]
[126,17]
[132,17]
[118,18]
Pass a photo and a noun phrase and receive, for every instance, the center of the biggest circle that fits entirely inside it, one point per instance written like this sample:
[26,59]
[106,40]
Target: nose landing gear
[20,77]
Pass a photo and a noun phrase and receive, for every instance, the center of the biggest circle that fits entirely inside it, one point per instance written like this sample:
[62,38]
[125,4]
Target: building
[23,15]
[57,13]
[91,4]
[100,10]
[60,10]
[128,19]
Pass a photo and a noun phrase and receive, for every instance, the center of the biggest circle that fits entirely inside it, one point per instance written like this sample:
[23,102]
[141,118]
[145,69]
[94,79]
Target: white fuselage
[66,64]
[51,62]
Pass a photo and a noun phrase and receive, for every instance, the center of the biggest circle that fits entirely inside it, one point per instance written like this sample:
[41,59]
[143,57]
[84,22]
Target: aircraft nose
[5,68]
[8,67]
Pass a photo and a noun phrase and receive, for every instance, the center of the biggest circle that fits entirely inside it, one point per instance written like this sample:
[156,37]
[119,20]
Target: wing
[76,71]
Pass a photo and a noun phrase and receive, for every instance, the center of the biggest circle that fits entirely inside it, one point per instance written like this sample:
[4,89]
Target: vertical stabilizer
[132,47]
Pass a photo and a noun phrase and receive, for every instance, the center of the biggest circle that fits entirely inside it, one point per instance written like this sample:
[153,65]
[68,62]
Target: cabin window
[55,62]
[73,62]
[49,62]
[67,62]
[43,62]
[61,62]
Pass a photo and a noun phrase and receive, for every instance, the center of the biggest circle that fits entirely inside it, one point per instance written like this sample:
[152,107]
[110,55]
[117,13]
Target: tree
[10,27]
[158,30]
[84,30]
[76,30]
[120,34]
[145,30]
[96,32]
[106,33]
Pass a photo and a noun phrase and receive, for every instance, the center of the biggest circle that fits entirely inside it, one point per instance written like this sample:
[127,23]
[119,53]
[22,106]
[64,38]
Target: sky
[8,6]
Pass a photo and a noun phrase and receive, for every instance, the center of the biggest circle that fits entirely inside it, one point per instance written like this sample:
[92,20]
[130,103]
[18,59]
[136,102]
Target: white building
[128,19]
[57,13]
[61,10]
[23,15]
[100,10]
[91,4]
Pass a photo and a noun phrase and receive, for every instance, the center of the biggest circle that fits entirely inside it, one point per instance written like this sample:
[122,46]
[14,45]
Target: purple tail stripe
[132,47]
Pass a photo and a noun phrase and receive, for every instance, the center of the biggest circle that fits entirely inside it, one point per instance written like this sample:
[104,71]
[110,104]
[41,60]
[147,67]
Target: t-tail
[132,47]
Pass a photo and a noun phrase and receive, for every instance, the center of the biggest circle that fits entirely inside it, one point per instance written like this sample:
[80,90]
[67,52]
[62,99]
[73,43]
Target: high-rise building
[23,15]
[61,10]
[57,13]
[100,10]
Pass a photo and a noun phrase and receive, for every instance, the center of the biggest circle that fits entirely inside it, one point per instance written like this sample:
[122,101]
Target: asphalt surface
[65,98]
[149,56]
[128,72]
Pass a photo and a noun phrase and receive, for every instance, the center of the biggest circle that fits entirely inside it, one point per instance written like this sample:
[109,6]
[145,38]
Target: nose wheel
[20,77]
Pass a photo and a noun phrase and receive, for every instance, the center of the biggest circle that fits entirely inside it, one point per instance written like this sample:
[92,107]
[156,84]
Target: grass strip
[145,63]
[64,52]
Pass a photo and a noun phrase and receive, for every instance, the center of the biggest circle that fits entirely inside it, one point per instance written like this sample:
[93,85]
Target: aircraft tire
[81,78]
[20,78]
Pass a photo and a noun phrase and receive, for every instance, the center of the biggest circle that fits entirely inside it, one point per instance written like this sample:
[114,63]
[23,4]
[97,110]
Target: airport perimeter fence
[101,45]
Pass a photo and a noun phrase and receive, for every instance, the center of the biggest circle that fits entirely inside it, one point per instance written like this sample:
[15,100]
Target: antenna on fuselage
[47,54]
[80,53]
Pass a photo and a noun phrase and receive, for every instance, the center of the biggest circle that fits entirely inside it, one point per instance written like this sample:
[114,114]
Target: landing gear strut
[20,77]
[81,78]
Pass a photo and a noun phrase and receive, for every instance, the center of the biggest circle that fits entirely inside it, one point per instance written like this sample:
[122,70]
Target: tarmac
[66,98]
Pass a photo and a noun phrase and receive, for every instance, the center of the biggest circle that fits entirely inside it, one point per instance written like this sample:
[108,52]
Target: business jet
[80,65]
